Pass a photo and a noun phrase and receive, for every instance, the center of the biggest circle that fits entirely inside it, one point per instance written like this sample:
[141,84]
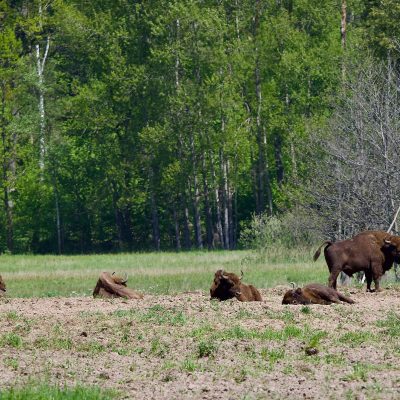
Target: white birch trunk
[40,63]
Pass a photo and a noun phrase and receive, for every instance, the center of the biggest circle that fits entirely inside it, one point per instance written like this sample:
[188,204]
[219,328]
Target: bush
[285,230]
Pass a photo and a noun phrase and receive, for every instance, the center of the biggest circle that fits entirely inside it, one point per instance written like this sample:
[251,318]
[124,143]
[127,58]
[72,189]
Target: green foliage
[391,324]
[272,355]
[206,349]
[167,124]
[189,365]
[159,315]
[287,230]
[43,392]
[11,339]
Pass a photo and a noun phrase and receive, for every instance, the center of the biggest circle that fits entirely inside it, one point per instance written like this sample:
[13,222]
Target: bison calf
[111,286]
[314,293]
[2,287]
[227,285]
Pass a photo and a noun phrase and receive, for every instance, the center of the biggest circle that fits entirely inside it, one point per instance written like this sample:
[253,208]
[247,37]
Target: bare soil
[188,347]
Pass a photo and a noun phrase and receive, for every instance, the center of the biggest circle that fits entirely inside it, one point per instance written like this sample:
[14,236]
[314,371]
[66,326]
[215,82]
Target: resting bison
[2,287]
[227,285]
[110,286]
[370,251]
[314,293]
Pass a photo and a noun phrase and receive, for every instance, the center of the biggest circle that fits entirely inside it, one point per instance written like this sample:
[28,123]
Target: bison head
[119,280]
[392,245]
[226,285]
[293,296]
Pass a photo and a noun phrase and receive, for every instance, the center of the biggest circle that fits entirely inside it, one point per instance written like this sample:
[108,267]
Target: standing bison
[111,286]
[228,285]
[370,251]
[314,293]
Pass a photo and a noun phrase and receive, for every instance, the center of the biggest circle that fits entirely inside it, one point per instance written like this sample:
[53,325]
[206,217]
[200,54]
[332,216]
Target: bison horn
[125,279]
[293,285]
[388,241]
[241,274]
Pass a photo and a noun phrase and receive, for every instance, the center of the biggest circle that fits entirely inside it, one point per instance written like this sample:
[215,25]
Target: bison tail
[318,252]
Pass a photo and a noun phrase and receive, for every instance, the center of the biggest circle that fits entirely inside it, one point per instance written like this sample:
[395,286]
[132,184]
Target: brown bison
[2,287]
[227,285]
[370,251]
[314,293]
[111,286]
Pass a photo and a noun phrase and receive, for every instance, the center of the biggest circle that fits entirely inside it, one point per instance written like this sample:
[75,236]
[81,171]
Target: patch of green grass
[53,343]
[93,347]
[121,351]
[11,339]
[356,338]
[159,348]
[12,316]
[189,365]
[45,392]
[206,349]
[391,324]
[125,313]
[305,310]
[237,332]
[168,364]
[285,315]
[23,326]
[201,331]
[334,359]
[242,375]
[315,338]
[272,355]
[160,315]
[288,369]
[244,314]
[360,372]
[12,363]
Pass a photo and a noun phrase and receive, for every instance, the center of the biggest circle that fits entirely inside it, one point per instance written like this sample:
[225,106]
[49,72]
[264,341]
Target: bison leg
[377,278]
[368,277]
[333,278]
[345,298]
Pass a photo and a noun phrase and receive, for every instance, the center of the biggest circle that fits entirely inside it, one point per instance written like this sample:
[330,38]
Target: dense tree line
[130,125]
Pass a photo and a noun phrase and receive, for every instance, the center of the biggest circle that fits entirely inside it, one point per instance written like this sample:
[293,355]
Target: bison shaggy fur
[227,285]
[2,287]
[372,252]
[111,286]
[314,293]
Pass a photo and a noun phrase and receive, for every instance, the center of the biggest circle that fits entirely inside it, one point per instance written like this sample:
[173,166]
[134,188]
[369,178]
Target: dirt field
[188,347]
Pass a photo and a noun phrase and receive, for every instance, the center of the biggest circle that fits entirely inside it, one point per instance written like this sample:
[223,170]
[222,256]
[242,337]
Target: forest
[169,125]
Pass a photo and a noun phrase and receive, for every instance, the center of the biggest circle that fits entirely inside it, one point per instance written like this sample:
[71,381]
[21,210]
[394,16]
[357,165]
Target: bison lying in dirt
[227,285]
[370,251]
[110,286]
[2,287]
[314,293]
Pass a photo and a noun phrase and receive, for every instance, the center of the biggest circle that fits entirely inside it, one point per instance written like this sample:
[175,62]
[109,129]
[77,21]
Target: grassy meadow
[155,273]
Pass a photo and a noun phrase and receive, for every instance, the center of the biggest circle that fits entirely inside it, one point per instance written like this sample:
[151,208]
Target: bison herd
[371,252]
